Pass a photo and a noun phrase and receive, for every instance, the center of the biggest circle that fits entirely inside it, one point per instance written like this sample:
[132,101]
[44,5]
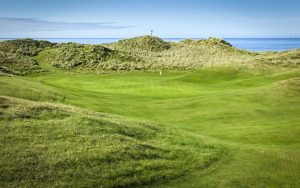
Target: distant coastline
[251,44]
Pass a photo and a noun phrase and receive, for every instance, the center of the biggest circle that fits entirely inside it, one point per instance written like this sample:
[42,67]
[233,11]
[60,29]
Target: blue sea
[251,44]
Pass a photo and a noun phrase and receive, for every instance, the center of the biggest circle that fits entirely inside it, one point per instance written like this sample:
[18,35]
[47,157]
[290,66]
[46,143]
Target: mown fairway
[255,116]
[224,103]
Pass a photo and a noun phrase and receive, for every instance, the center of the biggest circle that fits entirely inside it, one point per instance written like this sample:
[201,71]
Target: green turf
[223,102]
[216,117]
[253,116]
[46,145]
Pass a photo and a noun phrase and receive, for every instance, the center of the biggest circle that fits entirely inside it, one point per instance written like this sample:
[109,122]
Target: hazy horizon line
[144,35]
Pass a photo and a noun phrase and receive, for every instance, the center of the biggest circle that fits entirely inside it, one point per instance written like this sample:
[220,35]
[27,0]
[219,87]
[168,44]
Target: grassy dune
[234,123]
[46,145]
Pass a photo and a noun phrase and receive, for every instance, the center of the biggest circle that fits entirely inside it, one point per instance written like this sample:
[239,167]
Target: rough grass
[26,47]
[139,53]
[275,61]
[291,84]
[147,43]
[16,56]
[27,89]
[46,145]
[73,56]
[143,53]
[186,55]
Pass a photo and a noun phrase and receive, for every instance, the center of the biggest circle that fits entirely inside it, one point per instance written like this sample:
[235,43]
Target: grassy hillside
[139,53]
[26,47]
[13,64]
[275,61]
[81,57]
[217,116]
[16,56]
[46,145]
[20,87]
[143,53]
[146,43]
[185,55]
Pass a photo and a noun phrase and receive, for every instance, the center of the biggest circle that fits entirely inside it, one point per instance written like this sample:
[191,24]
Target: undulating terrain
[144,112]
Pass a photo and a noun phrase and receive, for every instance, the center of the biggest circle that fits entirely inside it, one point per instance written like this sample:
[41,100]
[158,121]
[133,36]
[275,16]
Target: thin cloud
[293,19]
[32,25]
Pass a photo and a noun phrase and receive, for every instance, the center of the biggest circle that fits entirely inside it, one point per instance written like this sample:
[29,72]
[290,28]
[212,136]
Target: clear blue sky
[168,18]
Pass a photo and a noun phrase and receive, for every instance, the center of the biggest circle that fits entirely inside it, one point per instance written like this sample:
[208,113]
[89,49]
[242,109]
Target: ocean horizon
[250,44]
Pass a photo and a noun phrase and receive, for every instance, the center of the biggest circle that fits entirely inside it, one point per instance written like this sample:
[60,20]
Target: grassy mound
[214,45]
[20,87]
[275,61]
[17,65]
[16,55]
[139,53]
[209,42]
[86,57]
[148,43]
[293,84]
[46,145]
[187,54]
[26,47]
